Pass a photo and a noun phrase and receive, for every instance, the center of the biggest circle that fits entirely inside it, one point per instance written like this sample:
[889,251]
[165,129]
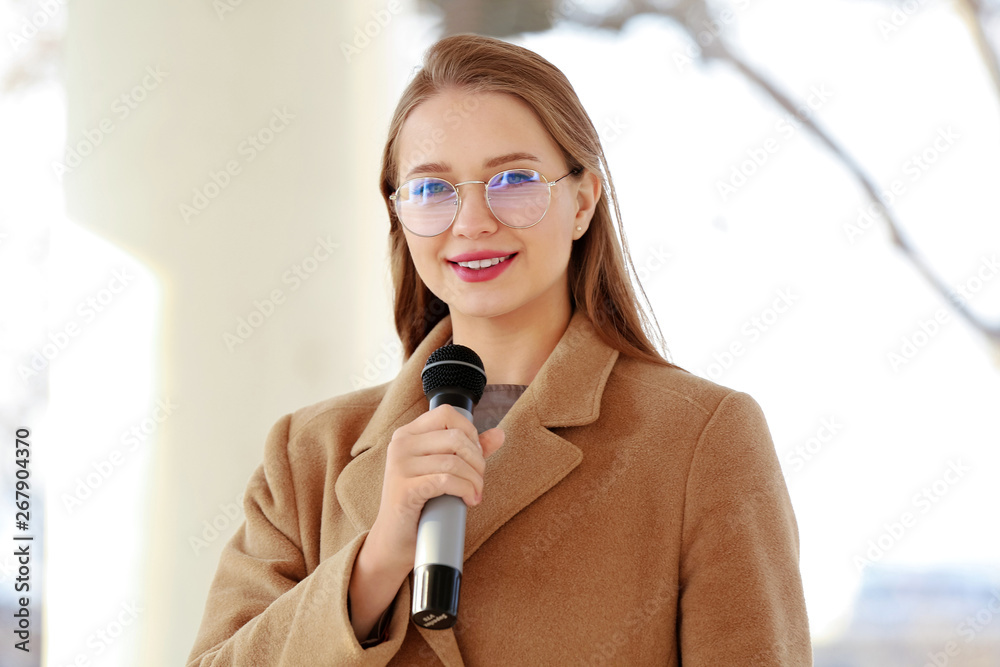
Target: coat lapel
[566,391]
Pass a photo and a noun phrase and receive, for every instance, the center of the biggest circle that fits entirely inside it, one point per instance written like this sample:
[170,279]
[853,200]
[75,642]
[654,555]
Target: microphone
[453,374]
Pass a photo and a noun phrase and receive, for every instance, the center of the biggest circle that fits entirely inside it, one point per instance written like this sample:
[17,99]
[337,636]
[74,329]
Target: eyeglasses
[518,198]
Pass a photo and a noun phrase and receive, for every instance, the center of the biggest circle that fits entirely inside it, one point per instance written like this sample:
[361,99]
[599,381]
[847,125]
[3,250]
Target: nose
[474,217]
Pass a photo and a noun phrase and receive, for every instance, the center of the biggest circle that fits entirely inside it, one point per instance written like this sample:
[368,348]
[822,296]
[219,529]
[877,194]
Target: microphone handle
[437,568]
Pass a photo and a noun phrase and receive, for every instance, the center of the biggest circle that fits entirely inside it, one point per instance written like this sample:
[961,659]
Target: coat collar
[566,391]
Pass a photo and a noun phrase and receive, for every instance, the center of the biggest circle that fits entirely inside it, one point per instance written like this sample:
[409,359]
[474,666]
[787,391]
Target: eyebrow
[487,164]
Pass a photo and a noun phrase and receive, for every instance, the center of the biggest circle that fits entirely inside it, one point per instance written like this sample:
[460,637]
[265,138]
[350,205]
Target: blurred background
[193,244]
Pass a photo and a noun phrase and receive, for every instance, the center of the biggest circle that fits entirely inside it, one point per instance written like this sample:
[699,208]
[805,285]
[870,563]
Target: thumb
[491,440]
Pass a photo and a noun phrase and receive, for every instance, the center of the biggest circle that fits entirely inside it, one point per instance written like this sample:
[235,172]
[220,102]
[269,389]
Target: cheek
[554,249]
[563,226]
[565,215]
[428,272]
[420,256]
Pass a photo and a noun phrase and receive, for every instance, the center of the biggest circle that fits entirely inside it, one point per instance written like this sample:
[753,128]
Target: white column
[239,163]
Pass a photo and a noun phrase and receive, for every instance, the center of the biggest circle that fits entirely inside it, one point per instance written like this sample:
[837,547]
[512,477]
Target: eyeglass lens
[517,197]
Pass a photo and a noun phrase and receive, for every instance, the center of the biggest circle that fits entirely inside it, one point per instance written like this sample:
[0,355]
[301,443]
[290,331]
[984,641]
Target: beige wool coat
[635,515]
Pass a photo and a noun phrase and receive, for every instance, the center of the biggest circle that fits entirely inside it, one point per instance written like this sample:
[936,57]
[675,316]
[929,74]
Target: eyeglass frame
[458,195]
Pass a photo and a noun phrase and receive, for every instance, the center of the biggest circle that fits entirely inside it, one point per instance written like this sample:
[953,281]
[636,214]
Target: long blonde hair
[598,280]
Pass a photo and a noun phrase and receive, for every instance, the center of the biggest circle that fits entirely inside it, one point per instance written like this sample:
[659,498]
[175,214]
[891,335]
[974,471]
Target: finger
[442,417]
[449,441]
[437,484]
[491,440]
[420,466]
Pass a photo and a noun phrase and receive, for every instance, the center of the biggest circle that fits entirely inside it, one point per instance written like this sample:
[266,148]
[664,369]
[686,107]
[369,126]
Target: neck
[513,346]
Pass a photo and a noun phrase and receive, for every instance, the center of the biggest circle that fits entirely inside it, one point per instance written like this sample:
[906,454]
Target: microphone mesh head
[471,380]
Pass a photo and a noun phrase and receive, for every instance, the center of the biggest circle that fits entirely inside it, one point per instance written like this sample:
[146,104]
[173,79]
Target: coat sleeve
[741,598]
[263,607]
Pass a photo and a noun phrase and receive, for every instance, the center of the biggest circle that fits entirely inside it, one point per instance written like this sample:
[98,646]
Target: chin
[481,308]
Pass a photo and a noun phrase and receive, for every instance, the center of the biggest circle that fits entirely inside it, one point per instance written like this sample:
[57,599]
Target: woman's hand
[437,453]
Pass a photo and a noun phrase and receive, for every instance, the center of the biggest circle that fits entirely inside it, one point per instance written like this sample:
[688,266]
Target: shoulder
[719,432]
[689,411]
[668,387]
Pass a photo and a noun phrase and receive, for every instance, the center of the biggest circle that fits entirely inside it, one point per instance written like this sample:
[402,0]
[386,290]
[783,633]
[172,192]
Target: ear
[588,193]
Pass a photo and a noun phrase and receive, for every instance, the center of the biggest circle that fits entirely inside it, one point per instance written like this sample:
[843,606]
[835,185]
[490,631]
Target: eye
[515,177]
[429,188]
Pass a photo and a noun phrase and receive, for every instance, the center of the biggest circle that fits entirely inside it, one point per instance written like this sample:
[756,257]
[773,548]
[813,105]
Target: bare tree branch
[895,230]
[974,14]
[693,16]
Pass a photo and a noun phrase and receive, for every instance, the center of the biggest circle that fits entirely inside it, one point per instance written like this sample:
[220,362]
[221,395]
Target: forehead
[463,130]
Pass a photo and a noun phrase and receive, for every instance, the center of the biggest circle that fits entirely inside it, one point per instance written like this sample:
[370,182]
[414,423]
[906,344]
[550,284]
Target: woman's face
[460,137]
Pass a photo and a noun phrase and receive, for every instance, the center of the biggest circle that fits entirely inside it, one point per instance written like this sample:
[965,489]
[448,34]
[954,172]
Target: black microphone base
[435,596]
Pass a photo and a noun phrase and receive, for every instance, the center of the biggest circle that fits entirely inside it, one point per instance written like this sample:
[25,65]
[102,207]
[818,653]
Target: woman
[620,509]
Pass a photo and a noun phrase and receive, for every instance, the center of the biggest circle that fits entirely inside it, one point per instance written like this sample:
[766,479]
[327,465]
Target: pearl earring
[578,228]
